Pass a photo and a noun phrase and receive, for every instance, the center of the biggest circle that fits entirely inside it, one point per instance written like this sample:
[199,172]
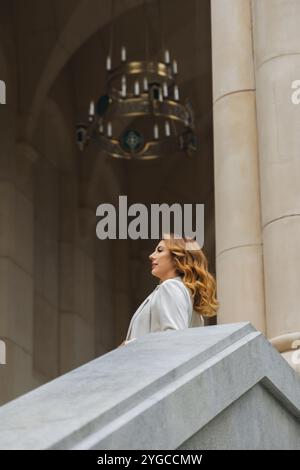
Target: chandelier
[140,116]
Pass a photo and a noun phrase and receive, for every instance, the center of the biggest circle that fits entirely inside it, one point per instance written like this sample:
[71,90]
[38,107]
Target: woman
[185,294]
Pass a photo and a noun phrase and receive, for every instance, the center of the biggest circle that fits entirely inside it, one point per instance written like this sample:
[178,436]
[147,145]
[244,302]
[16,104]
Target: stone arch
[55,205]
[80,26]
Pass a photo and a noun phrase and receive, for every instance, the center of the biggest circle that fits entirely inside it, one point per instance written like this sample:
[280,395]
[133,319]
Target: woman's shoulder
[173,282]
[173,285]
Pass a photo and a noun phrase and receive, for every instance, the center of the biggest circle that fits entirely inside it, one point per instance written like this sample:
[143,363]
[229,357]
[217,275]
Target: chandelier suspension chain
[146,32]
[112,21]
[161,28]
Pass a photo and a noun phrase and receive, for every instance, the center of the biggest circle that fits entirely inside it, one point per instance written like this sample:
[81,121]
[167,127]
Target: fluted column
[239,263]
[277,62]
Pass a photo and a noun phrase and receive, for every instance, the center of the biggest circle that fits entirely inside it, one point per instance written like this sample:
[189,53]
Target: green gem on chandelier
[132,141]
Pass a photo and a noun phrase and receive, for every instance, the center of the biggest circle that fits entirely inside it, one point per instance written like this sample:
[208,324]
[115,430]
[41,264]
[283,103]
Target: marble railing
[217,387]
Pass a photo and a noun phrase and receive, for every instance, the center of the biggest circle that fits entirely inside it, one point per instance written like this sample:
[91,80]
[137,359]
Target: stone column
[121,288]
[239,264]
[16,265]
[277,62]
[77,280]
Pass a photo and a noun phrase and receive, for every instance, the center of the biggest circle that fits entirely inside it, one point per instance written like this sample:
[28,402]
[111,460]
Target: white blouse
[168,307]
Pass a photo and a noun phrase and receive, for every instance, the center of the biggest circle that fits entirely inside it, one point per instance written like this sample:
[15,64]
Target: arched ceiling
[50,35]
[75,34]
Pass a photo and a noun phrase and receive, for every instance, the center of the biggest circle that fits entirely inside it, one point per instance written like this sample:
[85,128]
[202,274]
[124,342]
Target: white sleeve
[171,305]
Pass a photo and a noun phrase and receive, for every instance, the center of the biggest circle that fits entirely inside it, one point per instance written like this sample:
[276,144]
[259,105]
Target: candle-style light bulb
[109,129]
[108,62]
[92,108]
[167,56]
[91,111]
[176,93]
[155,132]
[145,82]
[123,90]
[165,90]
[175,67]
[167,129]
[123,54]
[136,88]
[160,95]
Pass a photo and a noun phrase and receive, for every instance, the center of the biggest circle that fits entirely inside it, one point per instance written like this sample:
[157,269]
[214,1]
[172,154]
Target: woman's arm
[172,305]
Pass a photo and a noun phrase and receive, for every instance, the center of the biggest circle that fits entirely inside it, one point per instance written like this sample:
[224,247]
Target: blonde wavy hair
[191,264]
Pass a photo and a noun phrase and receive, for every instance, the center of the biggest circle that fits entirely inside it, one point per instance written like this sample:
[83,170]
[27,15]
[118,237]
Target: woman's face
[162,262]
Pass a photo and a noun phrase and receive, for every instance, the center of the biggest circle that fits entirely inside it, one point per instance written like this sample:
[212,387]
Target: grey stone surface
[257,420]
[166,390]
